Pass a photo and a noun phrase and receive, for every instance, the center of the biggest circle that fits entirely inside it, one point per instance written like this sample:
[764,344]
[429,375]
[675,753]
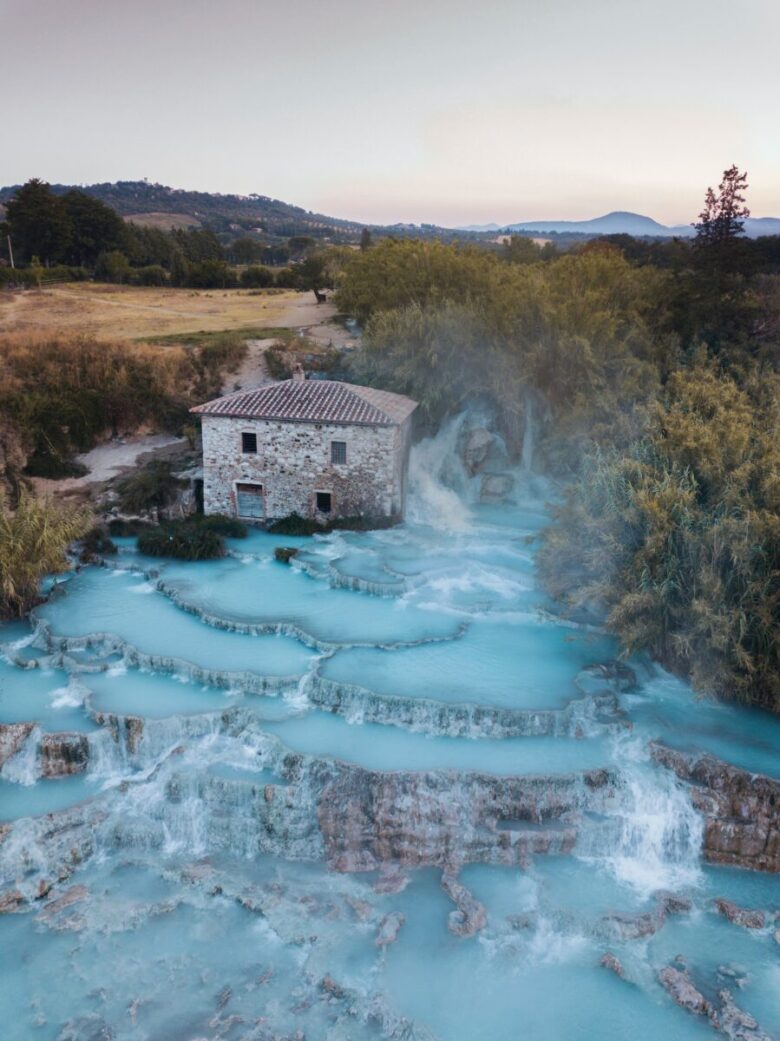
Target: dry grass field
[163,221]
[133,312]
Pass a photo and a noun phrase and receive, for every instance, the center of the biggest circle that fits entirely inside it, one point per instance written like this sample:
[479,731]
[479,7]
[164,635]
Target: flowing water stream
[382,792]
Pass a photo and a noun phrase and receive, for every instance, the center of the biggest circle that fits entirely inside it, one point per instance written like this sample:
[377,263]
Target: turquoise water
[229,706]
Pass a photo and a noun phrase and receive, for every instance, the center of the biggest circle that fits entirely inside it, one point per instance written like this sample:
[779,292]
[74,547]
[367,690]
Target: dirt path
[106,461]
[253,369]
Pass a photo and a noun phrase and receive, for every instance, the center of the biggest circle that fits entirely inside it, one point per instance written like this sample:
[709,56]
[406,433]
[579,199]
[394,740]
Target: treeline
[658,374]
[75,236]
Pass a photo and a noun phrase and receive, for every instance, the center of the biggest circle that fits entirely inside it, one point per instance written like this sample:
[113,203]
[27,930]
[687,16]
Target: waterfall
[438,481]
[22,768]
[660,838]
[529,435]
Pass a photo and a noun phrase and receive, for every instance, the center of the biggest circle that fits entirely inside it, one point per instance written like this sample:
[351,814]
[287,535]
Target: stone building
[319,448]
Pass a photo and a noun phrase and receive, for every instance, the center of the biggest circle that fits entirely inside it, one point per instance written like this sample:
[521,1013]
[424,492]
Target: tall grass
[33,541]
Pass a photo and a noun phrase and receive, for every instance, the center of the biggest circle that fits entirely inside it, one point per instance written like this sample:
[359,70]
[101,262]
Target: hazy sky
[413,110]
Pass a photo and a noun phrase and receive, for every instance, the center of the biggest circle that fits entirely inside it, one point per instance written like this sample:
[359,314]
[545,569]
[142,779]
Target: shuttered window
[249,500]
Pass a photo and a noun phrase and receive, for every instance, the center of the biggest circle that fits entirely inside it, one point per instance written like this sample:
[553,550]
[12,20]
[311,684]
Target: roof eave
[287,419]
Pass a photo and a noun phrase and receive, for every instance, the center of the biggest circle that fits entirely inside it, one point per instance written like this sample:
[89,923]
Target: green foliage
[151,275]
[113,266]
[284,554]
[257,277]
[230,527]
[60,395]
[677,536]
[39,223]
[152,488]
[33,539]
[96,228]
[96,544]
[185,540]
[294,524]
[454,324]
[194,538]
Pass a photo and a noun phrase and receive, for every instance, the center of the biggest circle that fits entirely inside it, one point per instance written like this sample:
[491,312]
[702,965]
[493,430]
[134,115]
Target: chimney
[298,374]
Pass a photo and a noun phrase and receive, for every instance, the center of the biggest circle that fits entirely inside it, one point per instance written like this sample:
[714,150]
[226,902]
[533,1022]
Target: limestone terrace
[313,401]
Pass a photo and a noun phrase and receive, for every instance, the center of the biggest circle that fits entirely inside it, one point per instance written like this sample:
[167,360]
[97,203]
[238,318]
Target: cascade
[383,792]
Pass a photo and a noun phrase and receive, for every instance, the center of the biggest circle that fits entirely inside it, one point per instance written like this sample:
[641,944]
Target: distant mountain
[622,222]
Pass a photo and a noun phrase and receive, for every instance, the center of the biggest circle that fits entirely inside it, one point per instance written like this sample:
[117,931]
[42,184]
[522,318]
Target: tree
[113,266]
[718,303]
[180,268]
[96,228]
[312,273]
[257,277]
[300,245]
[366,239]
[521,250]
[724,213]
[39,223]
[245,250]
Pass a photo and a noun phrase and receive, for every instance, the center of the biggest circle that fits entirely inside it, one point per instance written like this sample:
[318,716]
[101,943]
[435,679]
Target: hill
[156,204]
[623,222]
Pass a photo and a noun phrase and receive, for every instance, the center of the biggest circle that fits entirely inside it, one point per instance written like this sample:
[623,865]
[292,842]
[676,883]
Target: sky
[439,111]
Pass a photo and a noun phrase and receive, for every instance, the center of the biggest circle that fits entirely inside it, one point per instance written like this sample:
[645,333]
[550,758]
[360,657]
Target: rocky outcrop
[445,819]
[679,985]
[724,1015]
[389,928]
[12,738]
[61,755]
[741,915]
[496,487]
[610,961]
[470,916]
[475,446]
[741,809]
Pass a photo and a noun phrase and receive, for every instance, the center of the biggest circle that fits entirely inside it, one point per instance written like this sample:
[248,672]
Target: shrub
[154,487]
[294,524]
[284,554]
[95,544]
[33,541]
[185,540]
[230,527]
[257,277]
[151,275]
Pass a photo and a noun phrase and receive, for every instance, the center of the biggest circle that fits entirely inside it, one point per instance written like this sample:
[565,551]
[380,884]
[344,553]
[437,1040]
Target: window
[323,502]
[338,451]
[248,443]
[249,500]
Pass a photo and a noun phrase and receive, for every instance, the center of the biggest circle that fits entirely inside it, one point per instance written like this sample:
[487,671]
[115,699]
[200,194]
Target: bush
[275,359]
[33,541]
[119,526]
[294,524]
[284,554]
[54,467]
[230,527]
[95,544]
[287,278]
[151,275]
[185,540]
[154,487]
[257,277]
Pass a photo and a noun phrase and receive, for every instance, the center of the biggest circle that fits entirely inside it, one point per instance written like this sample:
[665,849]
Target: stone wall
[292,464]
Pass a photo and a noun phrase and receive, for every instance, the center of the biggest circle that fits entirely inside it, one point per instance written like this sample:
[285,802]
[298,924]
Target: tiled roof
[313,401]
